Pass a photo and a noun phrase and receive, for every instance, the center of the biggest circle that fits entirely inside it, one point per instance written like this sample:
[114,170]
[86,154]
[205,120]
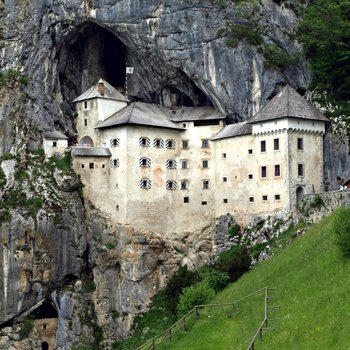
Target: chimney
[101,87]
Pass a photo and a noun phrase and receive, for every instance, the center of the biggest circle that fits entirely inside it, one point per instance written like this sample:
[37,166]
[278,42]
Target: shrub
[233,230]
[235,261]
[5,216]
[341,228]
[216,279]
[181,279]
[26,328]
[317,202]
[194,295]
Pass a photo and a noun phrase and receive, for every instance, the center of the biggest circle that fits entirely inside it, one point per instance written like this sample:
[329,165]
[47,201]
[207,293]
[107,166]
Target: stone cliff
[56,247]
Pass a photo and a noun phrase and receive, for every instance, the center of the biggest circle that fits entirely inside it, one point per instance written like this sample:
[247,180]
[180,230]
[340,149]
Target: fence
[181,324]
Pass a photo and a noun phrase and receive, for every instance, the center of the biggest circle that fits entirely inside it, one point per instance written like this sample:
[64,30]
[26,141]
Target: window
[262,146]
[250,176]
[158,143]
[85,122]
[224,179]
[300,169]
[185,144]
[263,171]
[184,164]
[144,142]
[103,166]
[44,326]
[171,144]
[264,198]
[114,163]
[186,199]
[250,151]
[225,200]
[277,170]
[224,155]
[54,144]
[204,203]
[171,185]
[117,207]
[145,183]
[145,162]
[85,104]
[276,144]
[205,164]
[251,199]
[114,142]
[171,164]
[184,185]
[83,166]
[277,197]
[205,184]
[205,143]
[184,125]
[91,165]
[300,144]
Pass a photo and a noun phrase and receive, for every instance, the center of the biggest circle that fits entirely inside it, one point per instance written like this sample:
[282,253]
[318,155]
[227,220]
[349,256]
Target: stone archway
[299,194]
[86,141]
[44,345]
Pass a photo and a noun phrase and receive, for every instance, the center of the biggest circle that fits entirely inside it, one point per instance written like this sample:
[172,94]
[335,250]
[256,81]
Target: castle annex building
[176,170]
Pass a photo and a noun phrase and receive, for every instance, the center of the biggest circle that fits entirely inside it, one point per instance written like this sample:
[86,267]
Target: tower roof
[232,130]
[109,93]
[288,103]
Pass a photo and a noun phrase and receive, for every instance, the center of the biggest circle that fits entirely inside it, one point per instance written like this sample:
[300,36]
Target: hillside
[313,283]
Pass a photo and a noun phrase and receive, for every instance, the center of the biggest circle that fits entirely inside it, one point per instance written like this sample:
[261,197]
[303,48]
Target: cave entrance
[88,54]
[44,311]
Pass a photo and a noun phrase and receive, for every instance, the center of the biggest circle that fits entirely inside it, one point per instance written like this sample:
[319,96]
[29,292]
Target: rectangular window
[82,166]
[277,197]
[277,170]
[85,122]
[205,184]
[263,171]
[183,185]
[225,200]
[184,125]
[54,144]
[262,146]
[186,199]
[224,179]
[91,165]
[205,164]
[224,155]
[300,169]
[204,203]
[250,151]
[205,143]
[251,199]
[117,207]
[300,144]
[85,105]
[264,198]
[184,164]
[185,144]
[276,144]
[250,176]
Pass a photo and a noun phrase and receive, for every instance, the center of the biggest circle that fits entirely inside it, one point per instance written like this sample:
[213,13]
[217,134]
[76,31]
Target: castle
[177,169]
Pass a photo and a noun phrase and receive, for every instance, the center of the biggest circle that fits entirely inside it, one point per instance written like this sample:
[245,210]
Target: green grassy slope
[314,298]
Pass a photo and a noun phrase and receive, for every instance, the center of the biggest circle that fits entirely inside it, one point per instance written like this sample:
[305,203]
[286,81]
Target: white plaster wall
[61,147]
[91,114]
[108,107]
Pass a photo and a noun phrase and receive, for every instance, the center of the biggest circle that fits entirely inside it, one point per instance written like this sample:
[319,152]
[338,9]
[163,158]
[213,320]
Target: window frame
[205,143]
[276,144]
[263,172]
[277,170]
[263,146]
[300,144]
[301,170]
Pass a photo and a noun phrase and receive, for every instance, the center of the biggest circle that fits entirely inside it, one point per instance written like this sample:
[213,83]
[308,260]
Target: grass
[313,282]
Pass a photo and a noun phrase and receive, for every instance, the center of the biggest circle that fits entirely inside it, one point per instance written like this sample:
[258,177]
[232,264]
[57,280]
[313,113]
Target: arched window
[146,183]
[171,185]
[86,141]
[144,142]
[114,163]
[114,142]
[171,164]
[159,143]
[171,144]
[145,162]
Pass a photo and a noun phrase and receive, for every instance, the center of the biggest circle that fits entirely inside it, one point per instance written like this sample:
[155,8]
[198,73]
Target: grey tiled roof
[55,135]
[233,130]
[195,113]
[109,93]
[91,152]
[139,113]
[288,103]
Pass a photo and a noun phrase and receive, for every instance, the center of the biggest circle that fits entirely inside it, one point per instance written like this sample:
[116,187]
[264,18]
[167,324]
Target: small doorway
[44,345]
[299,193]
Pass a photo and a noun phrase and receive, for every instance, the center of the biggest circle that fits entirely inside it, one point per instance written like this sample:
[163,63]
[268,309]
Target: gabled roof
[288,103]
[233,130]
[91,151]
[55,135]
[109,93]
[195,113]
[139,113]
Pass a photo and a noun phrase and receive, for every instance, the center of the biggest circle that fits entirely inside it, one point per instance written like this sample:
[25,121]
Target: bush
[341,228]
[233,230]
[199,293]
[216,279]
[317,202]
[181,279]
[26,328]
[235,261]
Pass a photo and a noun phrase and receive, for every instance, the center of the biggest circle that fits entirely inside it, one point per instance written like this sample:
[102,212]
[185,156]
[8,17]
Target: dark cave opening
[88,54]
[45,310]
